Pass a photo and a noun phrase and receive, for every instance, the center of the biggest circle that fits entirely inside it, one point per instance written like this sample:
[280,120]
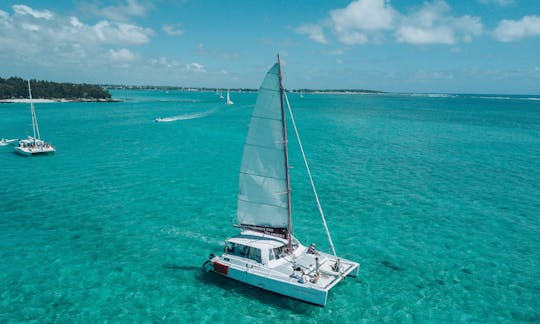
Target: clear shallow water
[437,197]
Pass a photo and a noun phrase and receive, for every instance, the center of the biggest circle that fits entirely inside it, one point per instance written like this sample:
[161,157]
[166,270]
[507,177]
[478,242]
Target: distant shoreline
[207,89]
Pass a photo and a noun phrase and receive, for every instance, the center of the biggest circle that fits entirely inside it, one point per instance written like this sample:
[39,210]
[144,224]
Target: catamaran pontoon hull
[26,151]
[306,274]
[294,287]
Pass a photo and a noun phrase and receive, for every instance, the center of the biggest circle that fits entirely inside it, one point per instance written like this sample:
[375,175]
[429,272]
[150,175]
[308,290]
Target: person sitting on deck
[312,249]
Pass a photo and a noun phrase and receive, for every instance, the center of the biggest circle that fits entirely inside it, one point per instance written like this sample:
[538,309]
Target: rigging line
[310,177]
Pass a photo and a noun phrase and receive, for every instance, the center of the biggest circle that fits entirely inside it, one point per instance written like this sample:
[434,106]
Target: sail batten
[261,175]
[262,180]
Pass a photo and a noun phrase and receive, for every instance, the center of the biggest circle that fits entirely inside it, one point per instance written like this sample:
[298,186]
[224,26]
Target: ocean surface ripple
[436,196]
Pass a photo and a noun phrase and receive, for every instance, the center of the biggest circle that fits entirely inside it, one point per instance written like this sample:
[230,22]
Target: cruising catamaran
[34,145]
[266,254]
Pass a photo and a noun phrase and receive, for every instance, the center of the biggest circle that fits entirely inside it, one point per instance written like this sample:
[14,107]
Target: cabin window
[243,251]
[271,255]
[254,254]
[230,247]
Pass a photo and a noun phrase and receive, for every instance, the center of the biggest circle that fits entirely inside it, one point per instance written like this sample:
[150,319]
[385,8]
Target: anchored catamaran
[266,254]
[34,145]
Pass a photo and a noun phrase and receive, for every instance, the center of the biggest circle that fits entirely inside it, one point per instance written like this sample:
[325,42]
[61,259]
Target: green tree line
[17,88]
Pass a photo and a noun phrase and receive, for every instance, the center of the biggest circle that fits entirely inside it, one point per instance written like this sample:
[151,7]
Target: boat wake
[184,117]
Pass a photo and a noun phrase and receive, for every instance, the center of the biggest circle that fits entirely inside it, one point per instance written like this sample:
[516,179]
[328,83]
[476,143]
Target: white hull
[28,151]
[280,277]
[294,290]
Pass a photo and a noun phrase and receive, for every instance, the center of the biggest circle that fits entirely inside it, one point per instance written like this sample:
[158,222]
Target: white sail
[262,193]
[229,101]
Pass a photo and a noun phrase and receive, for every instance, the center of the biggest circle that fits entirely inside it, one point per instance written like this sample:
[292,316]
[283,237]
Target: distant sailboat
[266,254]
[34,145]
[229,101]
[220,94]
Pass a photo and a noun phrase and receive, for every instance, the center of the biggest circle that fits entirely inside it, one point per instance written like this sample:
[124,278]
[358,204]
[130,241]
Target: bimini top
[32,140]
[258,240]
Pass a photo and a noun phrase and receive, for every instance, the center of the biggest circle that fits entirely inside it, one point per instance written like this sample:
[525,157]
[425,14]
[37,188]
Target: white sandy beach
[52,100]
[28,100]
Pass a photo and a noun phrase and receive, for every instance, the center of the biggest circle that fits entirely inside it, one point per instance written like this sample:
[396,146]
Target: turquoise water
[437,197]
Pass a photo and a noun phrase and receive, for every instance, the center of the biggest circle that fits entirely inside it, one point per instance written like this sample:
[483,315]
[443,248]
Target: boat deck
[327,276]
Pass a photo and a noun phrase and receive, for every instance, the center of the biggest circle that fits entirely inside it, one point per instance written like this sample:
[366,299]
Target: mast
[281,92]
[35,126]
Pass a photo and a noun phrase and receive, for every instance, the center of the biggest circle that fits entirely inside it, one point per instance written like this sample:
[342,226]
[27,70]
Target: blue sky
[470,46]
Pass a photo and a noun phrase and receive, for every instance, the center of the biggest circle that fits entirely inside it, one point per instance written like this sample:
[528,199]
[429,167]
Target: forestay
[262,194]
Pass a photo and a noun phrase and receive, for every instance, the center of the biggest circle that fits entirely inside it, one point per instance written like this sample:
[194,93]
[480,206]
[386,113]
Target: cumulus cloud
[195,67]
[173,30]
[313,31]
[434,24]
[122,55]
[23,10]
[513,30]
[120,33]
[365,21]
[28,35]
[162,61]
[354,23]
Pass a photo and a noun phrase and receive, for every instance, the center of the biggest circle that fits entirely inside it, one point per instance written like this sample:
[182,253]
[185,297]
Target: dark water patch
[390,265]
[467,271]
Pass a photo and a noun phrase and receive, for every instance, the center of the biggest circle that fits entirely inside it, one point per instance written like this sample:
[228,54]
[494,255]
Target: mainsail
[263,199]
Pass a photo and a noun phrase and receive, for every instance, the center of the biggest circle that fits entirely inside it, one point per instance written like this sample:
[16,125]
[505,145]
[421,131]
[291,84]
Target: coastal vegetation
[203,89]
[17,88]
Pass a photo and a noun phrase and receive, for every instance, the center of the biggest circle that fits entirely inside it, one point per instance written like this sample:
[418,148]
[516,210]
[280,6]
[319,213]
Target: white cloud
[513,30]
[364,15]
[67,41]
[433,24]
[163,62]
[314,32]
[119,33]
[195,67]
[30,27]
[75,22]
[354,23]
[25,10]
[364,21]
[173,30]
[122,55]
